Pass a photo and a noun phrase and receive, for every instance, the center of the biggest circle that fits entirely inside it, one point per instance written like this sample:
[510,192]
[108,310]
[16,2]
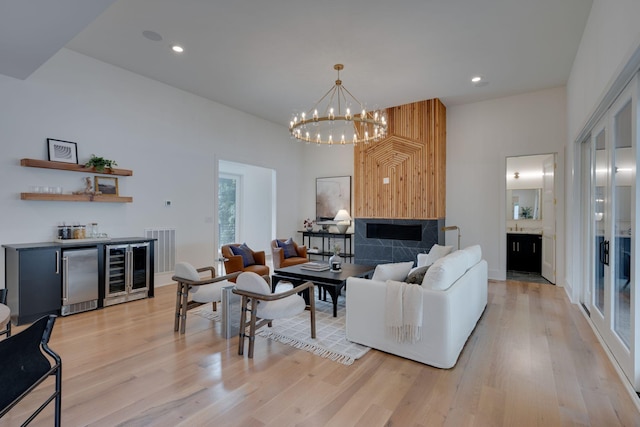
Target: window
[228,192]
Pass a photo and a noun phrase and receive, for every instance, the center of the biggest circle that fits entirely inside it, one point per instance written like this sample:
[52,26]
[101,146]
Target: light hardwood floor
[531,361]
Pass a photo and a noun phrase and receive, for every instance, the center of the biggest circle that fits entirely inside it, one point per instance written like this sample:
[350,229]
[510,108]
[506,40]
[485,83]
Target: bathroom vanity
[524,252]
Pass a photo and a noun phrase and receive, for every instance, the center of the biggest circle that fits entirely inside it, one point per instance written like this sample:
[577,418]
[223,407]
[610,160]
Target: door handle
[604,252]
[534,248]
[129,271]
[65,277]
[57,262]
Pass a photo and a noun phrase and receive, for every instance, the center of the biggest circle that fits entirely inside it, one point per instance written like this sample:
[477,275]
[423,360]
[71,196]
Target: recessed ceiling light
[177,49]
[479,81]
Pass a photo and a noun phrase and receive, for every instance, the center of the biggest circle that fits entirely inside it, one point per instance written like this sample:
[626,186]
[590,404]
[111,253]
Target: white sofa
[454,293]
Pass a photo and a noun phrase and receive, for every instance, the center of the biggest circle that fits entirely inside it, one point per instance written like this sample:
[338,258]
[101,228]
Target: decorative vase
[335,262]
[342,227]
[309,229]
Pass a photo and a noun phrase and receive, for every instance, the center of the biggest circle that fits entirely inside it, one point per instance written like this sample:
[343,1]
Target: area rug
[330,342]
[206,311]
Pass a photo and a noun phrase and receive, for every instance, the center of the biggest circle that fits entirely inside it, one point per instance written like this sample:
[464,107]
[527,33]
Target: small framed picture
[107,185]
[62,151]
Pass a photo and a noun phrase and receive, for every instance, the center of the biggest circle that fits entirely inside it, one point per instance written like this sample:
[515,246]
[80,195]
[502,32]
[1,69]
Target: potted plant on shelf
[308,224]
[100,163]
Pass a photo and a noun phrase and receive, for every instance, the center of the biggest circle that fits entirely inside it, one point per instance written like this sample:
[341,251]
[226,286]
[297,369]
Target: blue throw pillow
[288,248]
[246,253]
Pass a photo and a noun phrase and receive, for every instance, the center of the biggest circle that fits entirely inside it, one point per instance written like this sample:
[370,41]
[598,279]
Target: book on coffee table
[315,266]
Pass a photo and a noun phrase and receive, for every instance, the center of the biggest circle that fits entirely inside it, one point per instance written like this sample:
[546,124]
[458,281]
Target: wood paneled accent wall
[412,157]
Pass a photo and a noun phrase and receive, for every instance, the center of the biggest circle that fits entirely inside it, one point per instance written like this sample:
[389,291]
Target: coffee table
[329,281]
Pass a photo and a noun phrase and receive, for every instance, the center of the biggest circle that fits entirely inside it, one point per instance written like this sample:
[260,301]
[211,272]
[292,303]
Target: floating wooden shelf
[105,198]
[45,164]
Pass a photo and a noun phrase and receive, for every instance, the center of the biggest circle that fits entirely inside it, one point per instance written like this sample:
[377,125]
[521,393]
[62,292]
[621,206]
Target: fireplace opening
[394,231]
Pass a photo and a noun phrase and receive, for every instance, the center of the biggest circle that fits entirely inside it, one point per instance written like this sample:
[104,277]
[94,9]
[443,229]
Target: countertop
[535,231]
[79,242]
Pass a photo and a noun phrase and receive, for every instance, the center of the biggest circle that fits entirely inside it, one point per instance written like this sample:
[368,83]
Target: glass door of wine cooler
[126,273]
[139,267]
[116,271]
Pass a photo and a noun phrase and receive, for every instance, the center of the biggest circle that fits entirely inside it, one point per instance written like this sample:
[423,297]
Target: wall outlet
[385,180]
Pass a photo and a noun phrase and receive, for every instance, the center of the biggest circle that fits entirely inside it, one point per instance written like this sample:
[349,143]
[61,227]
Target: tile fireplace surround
[379,241]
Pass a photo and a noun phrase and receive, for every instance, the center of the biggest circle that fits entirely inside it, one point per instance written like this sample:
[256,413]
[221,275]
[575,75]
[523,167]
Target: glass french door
[612,223]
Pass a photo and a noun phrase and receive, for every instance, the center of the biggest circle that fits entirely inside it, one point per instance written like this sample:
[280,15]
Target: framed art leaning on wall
[332,194]
[107,185]
[62,151]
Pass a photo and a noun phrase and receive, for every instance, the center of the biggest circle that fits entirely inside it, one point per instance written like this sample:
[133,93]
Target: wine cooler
[126,272]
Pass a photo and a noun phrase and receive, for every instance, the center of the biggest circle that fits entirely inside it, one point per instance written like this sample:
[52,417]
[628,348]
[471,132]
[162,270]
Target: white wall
[611,37]
[479,138]
[169,138]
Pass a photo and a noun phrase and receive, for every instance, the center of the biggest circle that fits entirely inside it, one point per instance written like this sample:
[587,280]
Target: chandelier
[332,120]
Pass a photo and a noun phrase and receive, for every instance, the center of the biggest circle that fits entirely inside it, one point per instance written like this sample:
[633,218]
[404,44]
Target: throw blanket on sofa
[403,312]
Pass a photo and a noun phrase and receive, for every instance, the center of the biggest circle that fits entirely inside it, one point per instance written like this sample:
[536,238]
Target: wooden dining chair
[194,291]
[264,306]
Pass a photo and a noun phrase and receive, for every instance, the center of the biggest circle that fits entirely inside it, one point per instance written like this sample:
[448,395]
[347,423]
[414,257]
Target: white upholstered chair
[266,306]
[202,291]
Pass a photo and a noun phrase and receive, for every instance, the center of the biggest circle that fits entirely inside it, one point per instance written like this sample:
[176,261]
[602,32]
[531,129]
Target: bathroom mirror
[525,180]
[524,204]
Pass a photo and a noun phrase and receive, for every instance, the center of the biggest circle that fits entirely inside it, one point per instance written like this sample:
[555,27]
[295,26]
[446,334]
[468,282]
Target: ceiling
[271,58]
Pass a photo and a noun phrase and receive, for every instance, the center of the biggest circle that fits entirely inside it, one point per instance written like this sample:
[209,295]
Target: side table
[230,312]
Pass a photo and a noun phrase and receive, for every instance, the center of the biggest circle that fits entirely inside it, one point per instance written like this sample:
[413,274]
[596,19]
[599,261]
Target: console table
[325,251]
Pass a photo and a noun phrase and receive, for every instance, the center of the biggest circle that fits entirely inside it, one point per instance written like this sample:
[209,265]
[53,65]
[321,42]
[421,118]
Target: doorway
[531,218]
[245,208]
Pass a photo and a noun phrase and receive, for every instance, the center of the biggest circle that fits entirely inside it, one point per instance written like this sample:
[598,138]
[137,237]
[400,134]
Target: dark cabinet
[34,276]
[34,283]
[524,252]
